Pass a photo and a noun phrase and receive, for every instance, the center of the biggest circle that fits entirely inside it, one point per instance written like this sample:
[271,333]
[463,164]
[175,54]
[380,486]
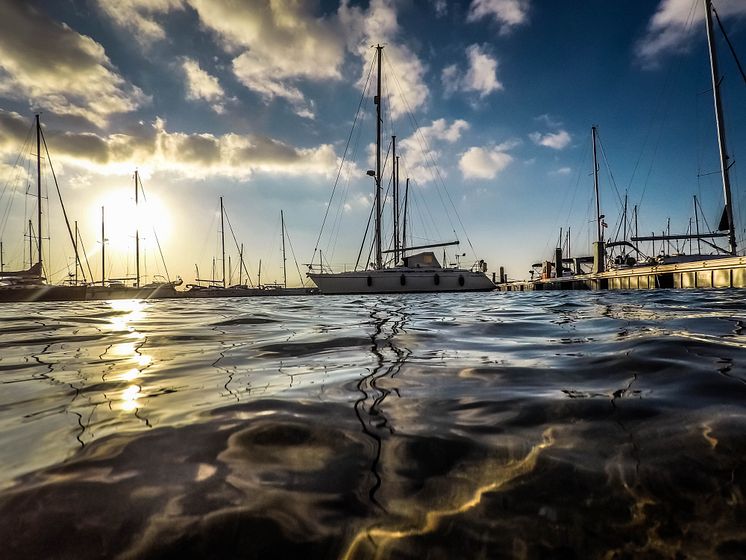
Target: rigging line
[59,194]
[15,180]
[365,235]
[336,227]
[666,107]
[235,241]
[292,252]
[730,46]
[155,233]
[429,153]
[344,155]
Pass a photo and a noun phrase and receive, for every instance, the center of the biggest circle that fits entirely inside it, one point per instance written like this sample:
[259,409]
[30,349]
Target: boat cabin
[422,260]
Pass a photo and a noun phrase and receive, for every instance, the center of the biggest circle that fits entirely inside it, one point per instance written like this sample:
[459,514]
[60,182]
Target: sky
[254,101]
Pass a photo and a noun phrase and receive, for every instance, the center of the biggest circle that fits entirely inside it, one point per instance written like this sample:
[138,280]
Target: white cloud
[203,86]
[484,163]
[480,77]
[378,25]
[66,73]
[548,120]
[507,13]
[555,140]
[277,45]
[152,147]
[561,171]
[673,24]
[419,150]
[138,16]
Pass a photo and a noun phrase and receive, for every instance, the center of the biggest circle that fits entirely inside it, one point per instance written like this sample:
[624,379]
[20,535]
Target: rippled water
[543,424]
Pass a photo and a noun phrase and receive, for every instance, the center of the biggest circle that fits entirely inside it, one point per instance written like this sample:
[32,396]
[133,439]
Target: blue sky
[254,100]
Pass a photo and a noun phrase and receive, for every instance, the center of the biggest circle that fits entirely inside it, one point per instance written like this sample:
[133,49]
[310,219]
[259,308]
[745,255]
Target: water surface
[560,425]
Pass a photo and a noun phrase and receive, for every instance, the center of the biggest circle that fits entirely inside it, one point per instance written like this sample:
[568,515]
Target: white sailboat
[412,271]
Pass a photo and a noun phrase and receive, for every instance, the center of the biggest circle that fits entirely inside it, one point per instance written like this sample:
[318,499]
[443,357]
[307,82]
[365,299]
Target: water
[552,425]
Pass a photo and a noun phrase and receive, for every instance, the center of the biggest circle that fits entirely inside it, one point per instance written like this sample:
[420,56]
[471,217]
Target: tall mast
[2,262]
[222,239]
[137,237]
[240,264]
[103,248]
[404,222]
[284,260]
[76,252]
[724,167]
[38,187]
[30,245]
[394,159]
[599,232]
[377,101]
[696,221]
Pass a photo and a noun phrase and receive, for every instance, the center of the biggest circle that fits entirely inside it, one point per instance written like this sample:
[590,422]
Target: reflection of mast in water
[76,391]
[371,391]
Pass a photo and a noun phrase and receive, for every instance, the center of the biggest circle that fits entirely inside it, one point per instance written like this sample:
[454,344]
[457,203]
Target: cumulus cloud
[66,72]
[277,44]
[379,25]
[138,16]
[484,163]
[561,171]
[153,147]
[202,85]
[421,148]
[506,13]
[673,24]
[480,76]
[556,140]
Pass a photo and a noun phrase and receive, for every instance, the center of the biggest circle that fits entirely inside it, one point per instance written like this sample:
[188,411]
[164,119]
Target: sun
[122,219]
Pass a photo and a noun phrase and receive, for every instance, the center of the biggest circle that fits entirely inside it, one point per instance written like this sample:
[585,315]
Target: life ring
[402,280]
[461,280]
[370,280]
[436,279]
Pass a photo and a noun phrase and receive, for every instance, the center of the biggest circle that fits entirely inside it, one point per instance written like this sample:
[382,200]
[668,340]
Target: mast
[76,252]
[103,248]
[259,280]
[599,232]
[2,262]
[240,264]
[377,101]
[724,166]
[38,188]
[284,260]
[404,222]
[696,221]
[137,238]
[395,160]
[30,245]
[222,239]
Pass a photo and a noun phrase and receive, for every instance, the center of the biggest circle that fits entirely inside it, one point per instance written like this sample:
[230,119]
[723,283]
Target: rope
[155,233]
[341,164]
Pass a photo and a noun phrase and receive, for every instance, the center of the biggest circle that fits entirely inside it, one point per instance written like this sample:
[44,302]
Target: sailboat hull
[402,280]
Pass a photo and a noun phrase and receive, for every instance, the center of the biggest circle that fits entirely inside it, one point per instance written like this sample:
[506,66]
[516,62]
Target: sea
[500,425]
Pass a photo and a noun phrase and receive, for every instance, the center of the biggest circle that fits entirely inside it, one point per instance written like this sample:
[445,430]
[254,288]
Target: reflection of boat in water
[631,268]
[413,272]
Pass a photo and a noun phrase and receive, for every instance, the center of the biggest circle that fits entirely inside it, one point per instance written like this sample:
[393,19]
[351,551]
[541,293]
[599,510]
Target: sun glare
[122,218]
